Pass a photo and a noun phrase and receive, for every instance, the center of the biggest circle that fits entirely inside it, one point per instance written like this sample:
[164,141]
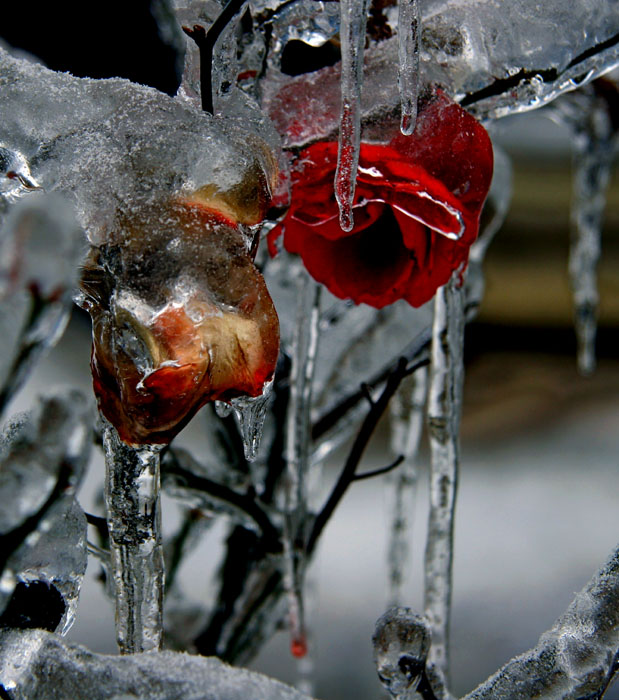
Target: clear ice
[444,409]
[250,413]
[401,645]
[132,496]
[298,442]
[40,248]
[494,58]
[43,456]
[353,18]
[575,658]
[408,52]
[407,410]
[594,138]
[36,664]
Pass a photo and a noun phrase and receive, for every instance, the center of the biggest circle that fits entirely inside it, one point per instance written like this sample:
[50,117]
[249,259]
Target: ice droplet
[444,409]
[250,412]
[134,521]
[401,643]
[353,18]
[408,51]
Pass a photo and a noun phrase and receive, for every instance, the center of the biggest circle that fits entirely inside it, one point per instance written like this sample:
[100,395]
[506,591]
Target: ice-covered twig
[206,41]
[36,664]
[577,658]
[184,478]
[407,420]
[298,438]
[444,408]
[134,521]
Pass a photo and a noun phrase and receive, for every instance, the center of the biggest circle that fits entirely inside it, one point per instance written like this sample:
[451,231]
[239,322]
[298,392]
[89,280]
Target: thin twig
[363,437]
[382,470]
[417,350]
[206,41]
[241,501]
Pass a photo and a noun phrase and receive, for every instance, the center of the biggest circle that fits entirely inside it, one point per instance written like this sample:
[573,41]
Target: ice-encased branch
[36,664]
[577,658]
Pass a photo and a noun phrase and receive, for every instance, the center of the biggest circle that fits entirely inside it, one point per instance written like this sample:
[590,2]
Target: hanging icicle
[588,114]
[444,409]
[353,18]
[408,75]
[132,490]
[304,348]
[250,412]
[592,157]
[407,414]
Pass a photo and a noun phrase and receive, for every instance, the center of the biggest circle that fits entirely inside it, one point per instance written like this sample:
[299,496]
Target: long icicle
[132,489]
[298,427]
[592,158]
[407,414]
[444,409]
[408,75]
[353,18]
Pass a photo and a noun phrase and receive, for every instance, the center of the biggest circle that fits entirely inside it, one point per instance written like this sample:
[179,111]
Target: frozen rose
[416,210]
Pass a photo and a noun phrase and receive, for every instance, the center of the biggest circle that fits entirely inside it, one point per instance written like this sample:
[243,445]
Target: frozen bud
[181,315]
[401,644]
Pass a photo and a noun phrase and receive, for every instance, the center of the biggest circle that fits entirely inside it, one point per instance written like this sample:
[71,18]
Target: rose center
[380,246]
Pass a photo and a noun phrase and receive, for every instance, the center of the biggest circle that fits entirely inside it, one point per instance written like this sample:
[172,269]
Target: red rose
[417,207]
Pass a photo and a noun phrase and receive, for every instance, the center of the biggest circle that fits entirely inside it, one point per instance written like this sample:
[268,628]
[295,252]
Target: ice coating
[353,18]
[494,58]
[588,114]
[406,427]
[408,76]
[443,411]
[209,332]
[401,645]
[42,529]
[298,441]
[36,664]
[40,247]
[250,413]
[132,488]
[170,198]
[576,658]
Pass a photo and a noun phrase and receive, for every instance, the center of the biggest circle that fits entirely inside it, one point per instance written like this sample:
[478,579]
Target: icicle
[250,412]
[407,410]
[497,205]
[134,522]
[593,155]
[353,18]
[298,427]
[408,75]
[444,408]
